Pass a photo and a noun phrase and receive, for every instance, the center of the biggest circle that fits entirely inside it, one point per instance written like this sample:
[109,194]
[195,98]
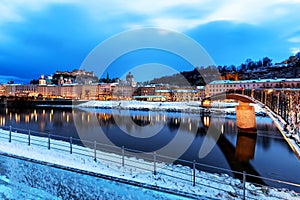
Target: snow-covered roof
[162,90]
[200,87]
[185,91]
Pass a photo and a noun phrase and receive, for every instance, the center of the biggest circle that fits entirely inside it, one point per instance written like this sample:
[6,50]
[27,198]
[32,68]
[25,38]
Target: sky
[40,37]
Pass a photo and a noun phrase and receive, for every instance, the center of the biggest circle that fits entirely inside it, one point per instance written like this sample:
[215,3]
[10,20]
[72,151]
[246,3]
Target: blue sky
[40,37]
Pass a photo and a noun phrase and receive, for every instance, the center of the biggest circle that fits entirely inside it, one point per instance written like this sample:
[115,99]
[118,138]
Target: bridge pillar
[245,118]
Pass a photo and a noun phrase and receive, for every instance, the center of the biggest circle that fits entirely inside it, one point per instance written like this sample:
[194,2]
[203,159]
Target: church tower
[130,79]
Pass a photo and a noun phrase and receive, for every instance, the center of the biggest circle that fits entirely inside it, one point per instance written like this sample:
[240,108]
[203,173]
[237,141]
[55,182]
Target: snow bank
[171,177]
[190,107]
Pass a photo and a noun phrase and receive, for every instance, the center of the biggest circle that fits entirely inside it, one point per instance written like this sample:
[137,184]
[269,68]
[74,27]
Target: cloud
[294,39]
[180,15]
[57,34]
[16,10]
[294,50]
[232,43]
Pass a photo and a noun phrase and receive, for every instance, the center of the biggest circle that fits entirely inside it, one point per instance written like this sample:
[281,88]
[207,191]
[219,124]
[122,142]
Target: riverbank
[29,102]
[169,177]
[188,107]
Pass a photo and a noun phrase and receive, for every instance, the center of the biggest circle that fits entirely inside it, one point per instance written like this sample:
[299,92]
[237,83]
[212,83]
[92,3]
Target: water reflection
[245,147]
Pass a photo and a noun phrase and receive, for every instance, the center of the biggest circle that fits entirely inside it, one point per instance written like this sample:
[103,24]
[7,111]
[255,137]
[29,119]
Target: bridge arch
[234,96]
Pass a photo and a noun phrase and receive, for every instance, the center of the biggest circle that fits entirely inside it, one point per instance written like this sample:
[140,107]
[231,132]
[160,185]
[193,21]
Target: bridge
[234,96]
[284,102]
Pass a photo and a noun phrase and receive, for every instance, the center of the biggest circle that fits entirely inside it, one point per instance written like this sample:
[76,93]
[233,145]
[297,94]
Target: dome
[129,76]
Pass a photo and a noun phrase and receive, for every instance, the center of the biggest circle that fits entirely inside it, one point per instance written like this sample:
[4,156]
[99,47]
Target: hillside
[264,69]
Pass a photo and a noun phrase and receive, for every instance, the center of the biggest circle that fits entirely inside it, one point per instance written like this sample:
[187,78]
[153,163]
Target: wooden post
[29,137]
[49,141]
[154,163]
[95,151]
[71,143]
[123,154]
[194,172]
[9,137]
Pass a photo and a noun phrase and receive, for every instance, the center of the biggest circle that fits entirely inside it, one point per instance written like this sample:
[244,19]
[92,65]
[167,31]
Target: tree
[267,62]
[259,64]
[232,68]
[107,78]
[243,67]
[34,82]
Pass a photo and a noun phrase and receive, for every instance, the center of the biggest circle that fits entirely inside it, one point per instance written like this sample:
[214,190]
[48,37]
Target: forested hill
[264,69]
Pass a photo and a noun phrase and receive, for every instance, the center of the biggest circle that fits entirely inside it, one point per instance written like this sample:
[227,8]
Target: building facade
[220,86]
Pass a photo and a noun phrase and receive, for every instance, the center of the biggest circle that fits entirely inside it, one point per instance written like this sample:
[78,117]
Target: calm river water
[179,135]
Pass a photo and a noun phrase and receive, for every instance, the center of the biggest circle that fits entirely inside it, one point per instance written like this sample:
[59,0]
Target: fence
[149,162]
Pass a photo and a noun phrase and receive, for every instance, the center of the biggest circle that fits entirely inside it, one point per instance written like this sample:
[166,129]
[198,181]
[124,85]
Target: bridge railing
[189,173]
[285,102]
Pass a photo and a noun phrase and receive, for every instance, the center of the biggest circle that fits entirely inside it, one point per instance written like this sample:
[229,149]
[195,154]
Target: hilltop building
[42,80]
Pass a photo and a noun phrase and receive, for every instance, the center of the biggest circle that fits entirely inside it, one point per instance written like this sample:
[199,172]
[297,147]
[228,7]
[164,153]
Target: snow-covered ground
[176,178]
[191,107]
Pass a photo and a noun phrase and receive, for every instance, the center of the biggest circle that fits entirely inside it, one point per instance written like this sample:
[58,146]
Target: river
[173,134]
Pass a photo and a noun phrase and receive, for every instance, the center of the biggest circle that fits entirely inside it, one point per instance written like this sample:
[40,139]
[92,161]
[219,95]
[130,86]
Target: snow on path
[174,177]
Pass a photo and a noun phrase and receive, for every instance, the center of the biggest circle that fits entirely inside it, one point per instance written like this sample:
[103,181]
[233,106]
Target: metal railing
[151,161]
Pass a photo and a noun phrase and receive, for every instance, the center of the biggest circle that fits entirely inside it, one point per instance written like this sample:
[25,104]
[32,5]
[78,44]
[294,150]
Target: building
[148,90]
[42,80]
[220,86]
[21,90]
[2,90]
[130,80]
[200,92]
[185,95]
[90,92]
[122,92]
[104,91]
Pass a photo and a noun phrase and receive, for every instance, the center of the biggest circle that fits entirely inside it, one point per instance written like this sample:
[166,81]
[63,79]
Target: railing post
[95,151]
[28,137]
[71,147]
[194,172]
[244,185]
[49,141]
[123,154]
[154,163]
[9,137]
